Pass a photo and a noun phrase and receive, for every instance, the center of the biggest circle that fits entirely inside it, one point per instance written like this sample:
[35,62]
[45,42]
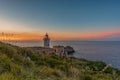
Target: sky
[61,19]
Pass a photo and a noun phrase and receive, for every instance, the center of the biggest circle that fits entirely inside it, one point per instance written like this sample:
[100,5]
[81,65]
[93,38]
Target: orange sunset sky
[56,36]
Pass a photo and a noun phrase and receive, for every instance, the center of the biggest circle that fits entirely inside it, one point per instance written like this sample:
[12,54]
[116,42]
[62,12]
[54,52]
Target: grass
[15,65]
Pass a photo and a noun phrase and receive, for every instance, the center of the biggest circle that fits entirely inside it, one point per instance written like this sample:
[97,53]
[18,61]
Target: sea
[106,51]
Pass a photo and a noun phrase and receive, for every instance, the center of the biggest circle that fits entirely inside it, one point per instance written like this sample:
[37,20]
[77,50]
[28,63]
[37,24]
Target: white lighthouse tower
[46,41]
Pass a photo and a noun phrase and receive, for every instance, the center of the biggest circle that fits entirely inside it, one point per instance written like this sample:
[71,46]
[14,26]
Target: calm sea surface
[107,51]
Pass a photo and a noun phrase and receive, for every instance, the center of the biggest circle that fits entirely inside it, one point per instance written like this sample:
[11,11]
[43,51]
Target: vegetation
[22,64]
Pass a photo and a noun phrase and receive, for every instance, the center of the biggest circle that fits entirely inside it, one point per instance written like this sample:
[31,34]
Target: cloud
[113,35]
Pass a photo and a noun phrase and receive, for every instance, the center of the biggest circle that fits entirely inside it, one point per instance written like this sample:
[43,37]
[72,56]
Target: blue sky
[58,17]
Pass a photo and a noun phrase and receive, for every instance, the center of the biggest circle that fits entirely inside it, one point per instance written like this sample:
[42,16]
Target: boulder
[69,49]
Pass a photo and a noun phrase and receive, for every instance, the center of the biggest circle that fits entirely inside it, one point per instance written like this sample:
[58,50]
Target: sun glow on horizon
[55,36]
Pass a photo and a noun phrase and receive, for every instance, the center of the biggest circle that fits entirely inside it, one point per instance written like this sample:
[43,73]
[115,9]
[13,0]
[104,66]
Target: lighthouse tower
[46,41]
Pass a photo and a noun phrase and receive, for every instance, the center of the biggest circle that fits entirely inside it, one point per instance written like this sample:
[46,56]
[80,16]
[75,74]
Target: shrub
[8,50]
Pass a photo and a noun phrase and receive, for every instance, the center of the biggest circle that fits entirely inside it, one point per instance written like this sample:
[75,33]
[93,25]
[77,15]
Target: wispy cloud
[110,34]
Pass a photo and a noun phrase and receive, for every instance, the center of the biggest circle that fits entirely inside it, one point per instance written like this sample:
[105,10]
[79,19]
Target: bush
[8,50]
[95,66]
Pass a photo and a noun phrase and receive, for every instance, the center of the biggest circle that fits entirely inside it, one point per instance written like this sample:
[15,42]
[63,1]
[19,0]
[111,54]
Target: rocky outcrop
[69,49]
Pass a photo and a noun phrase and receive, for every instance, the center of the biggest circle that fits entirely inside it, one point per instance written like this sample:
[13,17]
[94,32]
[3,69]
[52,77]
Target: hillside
[18,63]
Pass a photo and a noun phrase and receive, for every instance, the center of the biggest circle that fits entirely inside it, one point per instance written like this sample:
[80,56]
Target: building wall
[59,50]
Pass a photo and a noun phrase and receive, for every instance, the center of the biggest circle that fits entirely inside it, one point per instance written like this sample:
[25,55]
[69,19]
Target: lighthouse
[46,41]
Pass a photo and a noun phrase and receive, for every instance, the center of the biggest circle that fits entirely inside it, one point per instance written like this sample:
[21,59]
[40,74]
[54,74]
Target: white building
[46,41]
